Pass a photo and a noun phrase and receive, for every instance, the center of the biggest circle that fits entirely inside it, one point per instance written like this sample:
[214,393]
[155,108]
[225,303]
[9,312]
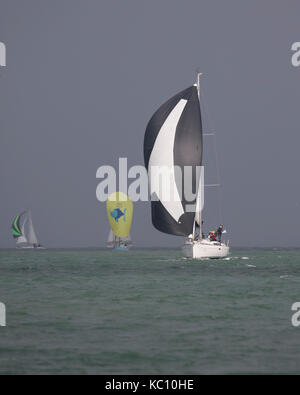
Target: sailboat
[24,233]
[174,140]
[119,212]
[118,243]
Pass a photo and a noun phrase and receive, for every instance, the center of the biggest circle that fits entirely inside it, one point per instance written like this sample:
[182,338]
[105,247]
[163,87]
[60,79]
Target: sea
[149,311]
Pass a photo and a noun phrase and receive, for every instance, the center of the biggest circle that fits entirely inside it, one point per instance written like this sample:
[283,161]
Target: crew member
[219,233]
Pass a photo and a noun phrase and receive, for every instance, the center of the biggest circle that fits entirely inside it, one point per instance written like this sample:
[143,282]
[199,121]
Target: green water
[149,312]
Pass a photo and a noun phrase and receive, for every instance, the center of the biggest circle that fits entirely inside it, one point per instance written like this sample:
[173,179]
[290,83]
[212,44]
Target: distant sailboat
[174,139]
[118,242]
[119,213]
[24,233]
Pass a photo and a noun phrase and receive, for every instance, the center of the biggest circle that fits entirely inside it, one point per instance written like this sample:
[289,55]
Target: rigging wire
[209,124]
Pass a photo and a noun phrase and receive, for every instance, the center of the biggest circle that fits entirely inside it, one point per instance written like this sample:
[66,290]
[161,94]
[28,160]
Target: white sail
[32,239]
[162,156]
[111,239]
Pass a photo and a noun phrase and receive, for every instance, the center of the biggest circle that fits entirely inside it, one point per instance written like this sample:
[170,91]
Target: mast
[198,202]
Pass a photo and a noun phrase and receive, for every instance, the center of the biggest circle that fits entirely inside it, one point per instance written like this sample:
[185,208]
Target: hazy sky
[83,78]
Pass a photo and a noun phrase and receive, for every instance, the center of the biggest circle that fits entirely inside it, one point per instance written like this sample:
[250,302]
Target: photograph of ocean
[149,311]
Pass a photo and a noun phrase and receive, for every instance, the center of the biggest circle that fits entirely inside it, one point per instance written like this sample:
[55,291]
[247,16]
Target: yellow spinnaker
[120,212]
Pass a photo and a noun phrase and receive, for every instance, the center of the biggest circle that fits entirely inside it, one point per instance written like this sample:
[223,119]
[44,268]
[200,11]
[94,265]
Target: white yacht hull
[205,249]
[30,248]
